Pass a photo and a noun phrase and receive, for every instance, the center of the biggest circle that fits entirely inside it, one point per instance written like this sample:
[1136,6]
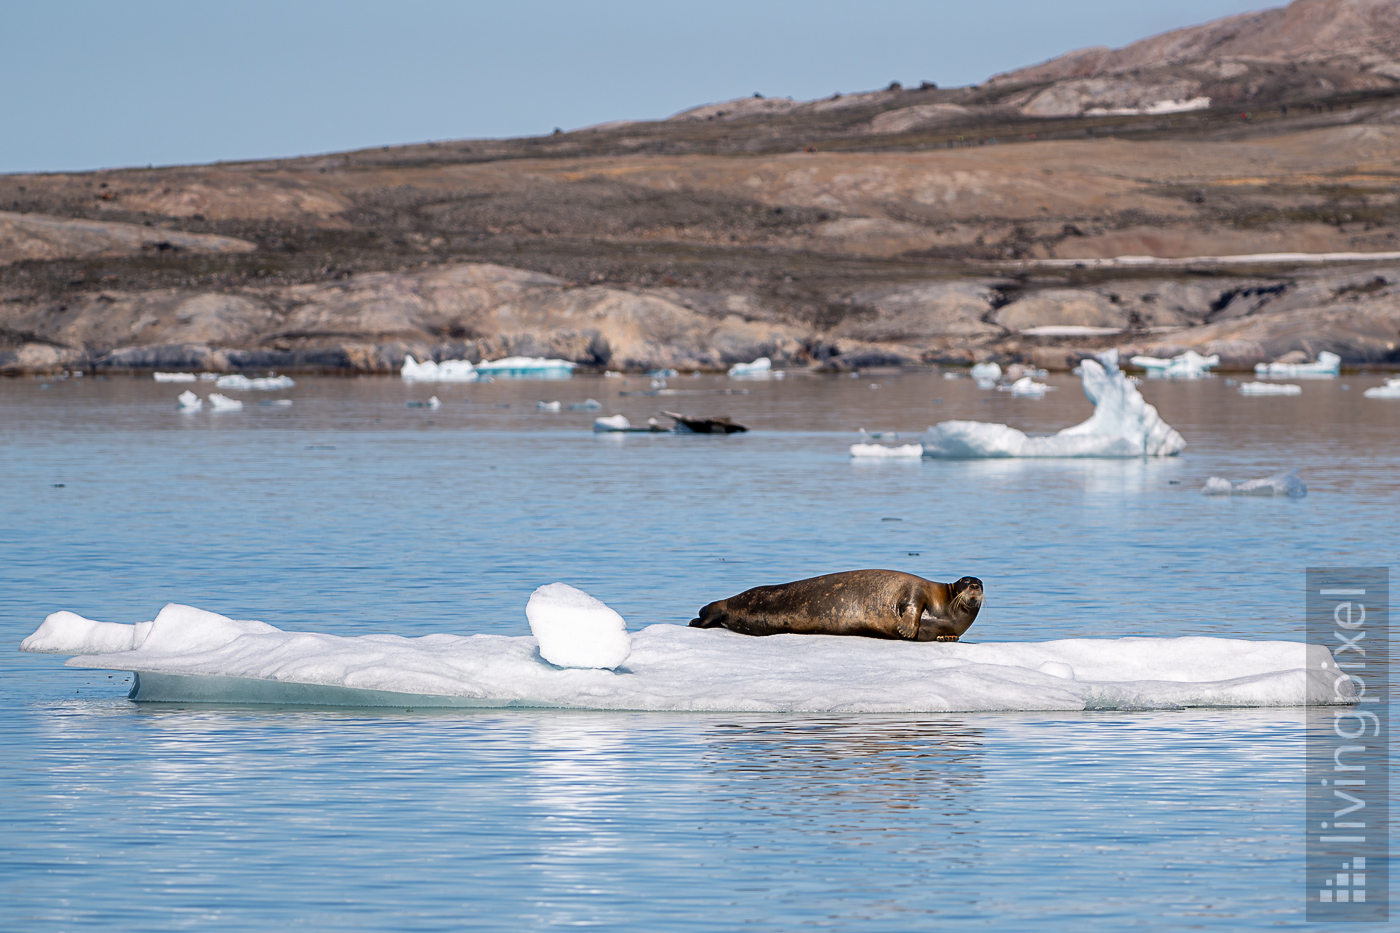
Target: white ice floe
[1270,388]
[432,371]
[986,372]
[175,377]
[881,451]
[1189,365]
[588,404]
[1327,365]
[761,368]
[1026,387]
[1391,389]
[262,383]
[527,367]
[1280,484]
[575,630]
[549,406]
[219,402]
[188,655]
[188,401]
[611,423]
[1123,425]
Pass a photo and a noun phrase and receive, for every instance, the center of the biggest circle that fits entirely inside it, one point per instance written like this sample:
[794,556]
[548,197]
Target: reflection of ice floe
[761,368]
[264,383]
[881,451]
[188,401]
[1280,484]
[431,371]
[1189,365]
[175,377]
[576,630]
[219,402]
[188,655]
[1123,425]
[1328,364]
[1391,389]
[1270,388]
[527,367]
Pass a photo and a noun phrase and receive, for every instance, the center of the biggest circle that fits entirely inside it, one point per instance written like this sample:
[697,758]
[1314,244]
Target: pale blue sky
[87,84]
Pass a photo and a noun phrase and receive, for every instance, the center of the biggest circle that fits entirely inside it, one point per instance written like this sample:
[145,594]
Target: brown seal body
[873,603]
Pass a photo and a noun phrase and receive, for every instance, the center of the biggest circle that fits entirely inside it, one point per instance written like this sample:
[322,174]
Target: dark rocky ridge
[908,236]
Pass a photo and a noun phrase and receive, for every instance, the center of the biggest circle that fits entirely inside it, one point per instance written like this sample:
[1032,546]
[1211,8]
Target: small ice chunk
[1328,364]
[1189,365]
[432,371]
[611,423]
[761,368]
[70,633]
[986,372]
[262,383]
[175,377]
[576,630]
[1269,388]
[434,403]
[1026,387]
[612,374]
[548,406]
[1391,389]
[224,403]
[588,404]
[189,401]
[1217,486]
[1280,484]
[1057,669]
[904,452]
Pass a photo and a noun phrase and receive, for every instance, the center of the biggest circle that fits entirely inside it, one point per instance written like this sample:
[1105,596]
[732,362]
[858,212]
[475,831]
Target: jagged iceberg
[190,655]
[1123,425]
[431,371]
[219,402]
[1026,387]
[1391,389]
[1280,484]
[526,367]
[1327,365]
[1189,365]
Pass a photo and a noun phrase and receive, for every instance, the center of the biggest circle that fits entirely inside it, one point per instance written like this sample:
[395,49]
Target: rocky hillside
[905,226]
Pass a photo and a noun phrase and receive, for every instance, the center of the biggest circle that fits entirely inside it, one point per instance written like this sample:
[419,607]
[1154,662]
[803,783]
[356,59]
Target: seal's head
[967,599]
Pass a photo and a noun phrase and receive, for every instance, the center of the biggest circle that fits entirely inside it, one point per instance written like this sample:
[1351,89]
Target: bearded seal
[873,603]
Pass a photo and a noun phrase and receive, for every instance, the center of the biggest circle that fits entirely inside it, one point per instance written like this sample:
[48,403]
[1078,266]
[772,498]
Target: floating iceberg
[263,383]
[611,423]
[1328,364]
[986,374]
[588,404]
[431,371]
[1189,365]
[219,402]
[575,630]
[175,377]
[188,401]
[881,451]
[1270,388]
[549,406]
[1026,387]
[1391,389]
[189,655]
[1123,425]
[761,368]
[1280,484]
[527,367]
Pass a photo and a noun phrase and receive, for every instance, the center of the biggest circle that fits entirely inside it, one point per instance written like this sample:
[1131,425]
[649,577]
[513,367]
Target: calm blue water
[351,513]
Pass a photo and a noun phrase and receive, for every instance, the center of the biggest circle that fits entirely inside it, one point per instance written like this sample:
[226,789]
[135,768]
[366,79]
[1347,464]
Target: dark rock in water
[700,425]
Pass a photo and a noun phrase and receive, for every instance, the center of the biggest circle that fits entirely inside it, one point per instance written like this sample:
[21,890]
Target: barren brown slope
[887,227]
